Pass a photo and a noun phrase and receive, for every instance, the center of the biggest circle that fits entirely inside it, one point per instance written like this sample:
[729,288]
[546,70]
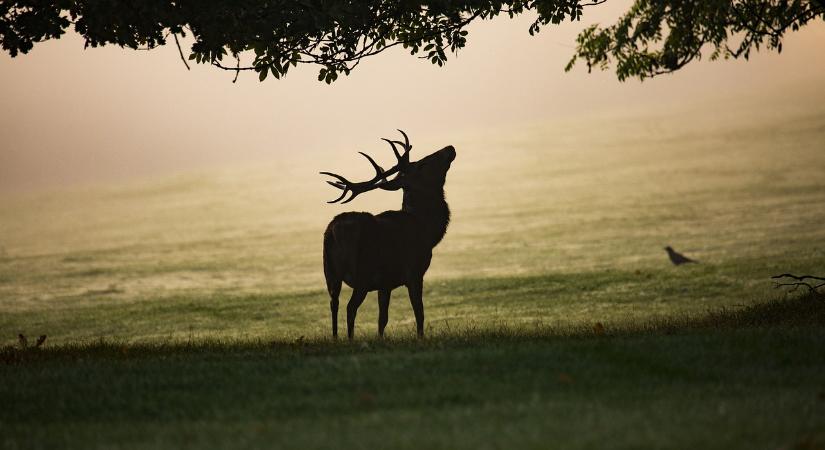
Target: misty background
[73,117]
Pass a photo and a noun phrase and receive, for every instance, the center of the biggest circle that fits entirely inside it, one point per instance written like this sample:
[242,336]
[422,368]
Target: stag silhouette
[382,252]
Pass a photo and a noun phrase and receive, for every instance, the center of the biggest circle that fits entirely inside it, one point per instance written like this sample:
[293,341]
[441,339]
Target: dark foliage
[661,36]
[271,36]
[335,34]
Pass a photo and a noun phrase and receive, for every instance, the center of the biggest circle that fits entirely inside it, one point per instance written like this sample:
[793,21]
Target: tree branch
[653,37]
[800,280]
[180,51]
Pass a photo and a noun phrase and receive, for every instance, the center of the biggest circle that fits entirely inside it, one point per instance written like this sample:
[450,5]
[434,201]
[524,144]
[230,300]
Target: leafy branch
[661,36]
[653,37]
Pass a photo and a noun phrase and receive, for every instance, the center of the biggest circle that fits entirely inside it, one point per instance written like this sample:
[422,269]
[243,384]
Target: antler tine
[407,145]
[394,149]
[335,175]
[354,194]
[343,194]
[342,184]
[379,171]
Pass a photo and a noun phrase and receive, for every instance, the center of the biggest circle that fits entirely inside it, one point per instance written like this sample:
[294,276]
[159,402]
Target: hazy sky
[73,116]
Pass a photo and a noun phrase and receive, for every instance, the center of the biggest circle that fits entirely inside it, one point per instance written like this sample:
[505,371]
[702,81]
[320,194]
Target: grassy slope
[567,225]
[200,285]
[749,378]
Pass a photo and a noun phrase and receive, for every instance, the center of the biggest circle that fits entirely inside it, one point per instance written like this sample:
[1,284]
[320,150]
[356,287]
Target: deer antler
[380,174]
[356,188]
[405,158]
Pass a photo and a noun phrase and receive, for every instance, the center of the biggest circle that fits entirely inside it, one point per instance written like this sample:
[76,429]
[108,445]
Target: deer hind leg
[383,310]
[355,301]
[415,289]
[333,307]
[334,289]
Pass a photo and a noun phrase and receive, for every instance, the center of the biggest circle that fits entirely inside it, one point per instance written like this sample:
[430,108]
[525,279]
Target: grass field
[189,311]
[750,378]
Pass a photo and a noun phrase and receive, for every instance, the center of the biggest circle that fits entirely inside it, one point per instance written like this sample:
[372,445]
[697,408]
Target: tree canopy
[270,36]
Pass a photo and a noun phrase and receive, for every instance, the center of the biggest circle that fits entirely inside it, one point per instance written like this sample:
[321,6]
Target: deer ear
[393,185]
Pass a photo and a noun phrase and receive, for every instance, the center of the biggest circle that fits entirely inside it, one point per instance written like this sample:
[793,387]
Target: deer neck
[431,210]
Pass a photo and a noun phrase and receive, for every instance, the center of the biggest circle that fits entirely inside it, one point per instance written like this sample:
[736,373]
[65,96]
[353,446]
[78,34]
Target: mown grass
[612,297]
[744,378]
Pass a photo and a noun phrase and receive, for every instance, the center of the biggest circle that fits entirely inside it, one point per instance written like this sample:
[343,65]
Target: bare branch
[182,58]
[800,280]
[237,68]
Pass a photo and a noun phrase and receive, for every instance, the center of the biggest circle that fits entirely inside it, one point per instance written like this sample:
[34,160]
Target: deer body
[392,249]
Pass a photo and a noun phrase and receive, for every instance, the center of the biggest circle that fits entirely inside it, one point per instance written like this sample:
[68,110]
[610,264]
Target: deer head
[426,175]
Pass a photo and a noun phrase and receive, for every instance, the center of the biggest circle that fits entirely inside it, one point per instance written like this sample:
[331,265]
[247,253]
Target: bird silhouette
[677,258]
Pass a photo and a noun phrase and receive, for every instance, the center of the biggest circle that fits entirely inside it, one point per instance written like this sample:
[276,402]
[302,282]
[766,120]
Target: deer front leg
[383,310]
[352,309]
[415,289]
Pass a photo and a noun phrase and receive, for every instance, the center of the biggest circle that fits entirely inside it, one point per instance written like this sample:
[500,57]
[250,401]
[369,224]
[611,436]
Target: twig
[801,280]
[351,60]
[182,58]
